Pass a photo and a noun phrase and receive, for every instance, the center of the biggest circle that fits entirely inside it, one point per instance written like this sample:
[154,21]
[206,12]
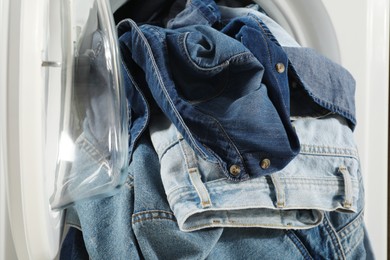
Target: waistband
[325,176]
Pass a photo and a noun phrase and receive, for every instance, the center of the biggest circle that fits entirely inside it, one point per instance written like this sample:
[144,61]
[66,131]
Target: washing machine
[354,33]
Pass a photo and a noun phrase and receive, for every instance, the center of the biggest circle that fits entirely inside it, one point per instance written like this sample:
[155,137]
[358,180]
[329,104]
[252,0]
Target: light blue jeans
[138,223]
[325,176]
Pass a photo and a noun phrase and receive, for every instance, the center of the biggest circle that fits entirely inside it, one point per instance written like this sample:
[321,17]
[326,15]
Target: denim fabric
[139,224]
[324,176]
[326,84]
[255,36]
[322,85]
[196,12]
[73,246]
[105,224]
[339,235]
[205,81]
[228,14]
[99,154]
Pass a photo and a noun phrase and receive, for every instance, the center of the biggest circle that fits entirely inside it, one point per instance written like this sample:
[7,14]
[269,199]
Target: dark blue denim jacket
[215,91]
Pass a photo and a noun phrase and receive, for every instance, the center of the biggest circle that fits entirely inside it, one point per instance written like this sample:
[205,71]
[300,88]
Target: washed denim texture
[73,246]
[319,83]
[322,85]
[205,82]
[137,223]
[105,223]
[195,12]
[284,39]
[99,154]
[325,176]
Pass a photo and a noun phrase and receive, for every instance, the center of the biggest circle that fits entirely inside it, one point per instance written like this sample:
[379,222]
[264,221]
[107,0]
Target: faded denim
[138,223]
[325,176]
[105,224]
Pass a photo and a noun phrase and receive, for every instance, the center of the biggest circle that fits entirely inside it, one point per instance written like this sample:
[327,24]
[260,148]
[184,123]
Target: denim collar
[328,84]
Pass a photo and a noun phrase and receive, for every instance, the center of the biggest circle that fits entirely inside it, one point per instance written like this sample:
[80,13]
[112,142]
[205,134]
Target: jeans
[324,176]
[139,223]
[106,225]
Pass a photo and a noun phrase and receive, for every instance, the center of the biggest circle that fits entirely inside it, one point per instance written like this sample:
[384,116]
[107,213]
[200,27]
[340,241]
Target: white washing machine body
[354,33]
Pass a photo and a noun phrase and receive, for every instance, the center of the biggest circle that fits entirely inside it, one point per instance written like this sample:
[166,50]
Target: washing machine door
[63,97]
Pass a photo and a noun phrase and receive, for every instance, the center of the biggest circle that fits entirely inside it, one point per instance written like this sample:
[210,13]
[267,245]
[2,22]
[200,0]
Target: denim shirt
[212,88]
[318,86]
[183,71]
[322,85]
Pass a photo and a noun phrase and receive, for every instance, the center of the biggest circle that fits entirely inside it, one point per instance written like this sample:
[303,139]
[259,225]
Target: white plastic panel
[6,243]
[7,249]
[35,229]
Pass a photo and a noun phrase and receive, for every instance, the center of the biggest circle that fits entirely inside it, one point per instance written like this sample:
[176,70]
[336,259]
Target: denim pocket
[351,234]
[339,236]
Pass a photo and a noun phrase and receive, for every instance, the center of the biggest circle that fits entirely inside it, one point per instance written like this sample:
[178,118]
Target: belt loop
[347,186]
[193,171]
[280,196]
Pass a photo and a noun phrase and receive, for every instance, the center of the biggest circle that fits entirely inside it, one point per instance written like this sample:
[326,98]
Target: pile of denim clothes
[240,146]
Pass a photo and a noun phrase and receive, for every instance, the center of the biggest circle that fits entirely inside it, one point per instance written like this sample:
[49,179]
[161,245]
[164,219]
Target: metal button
[235,170]
[265,163]
[280,67]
